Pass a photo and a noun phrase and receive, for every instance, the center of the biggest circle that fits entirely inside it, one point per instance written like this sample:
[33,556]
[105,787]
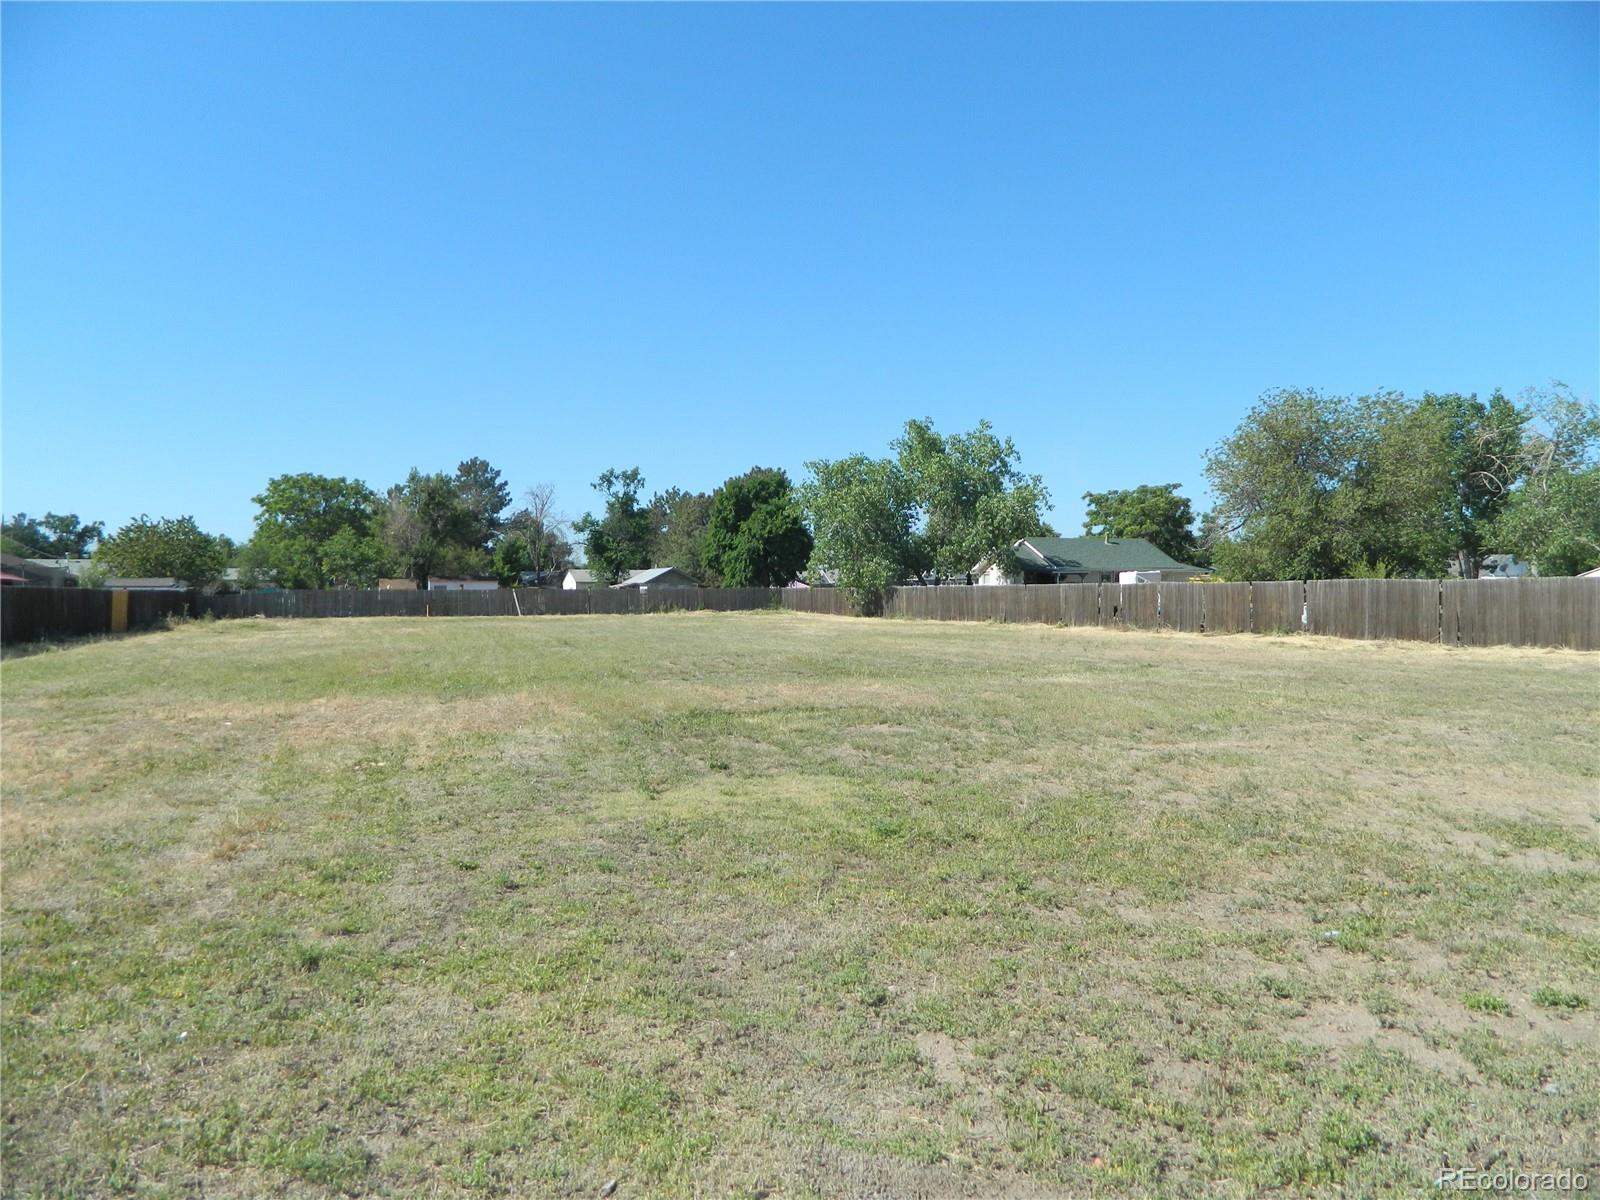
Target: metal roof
[1093,554]
[648,575]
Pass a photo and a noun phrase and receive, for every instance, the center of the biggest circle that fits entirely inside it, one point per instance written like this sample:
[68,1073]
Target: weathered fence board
[1554,612]
[1140,604]
[31,614]
[1182,606]
[502,602]
[1276,607]
[1484,617]
[1226,606]
[1522,612]
[831,601]
[151,608]
[1110,609]
[1374,608]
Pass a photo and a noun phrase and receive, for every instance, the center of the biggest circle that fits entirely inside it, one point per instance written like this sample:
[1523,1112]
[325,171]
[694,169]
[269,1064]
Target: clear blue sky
[247,240]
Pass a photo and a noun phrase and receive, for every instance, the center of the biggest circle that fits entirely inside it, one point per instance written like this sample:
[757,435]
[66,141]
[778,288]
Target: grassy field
[745,904]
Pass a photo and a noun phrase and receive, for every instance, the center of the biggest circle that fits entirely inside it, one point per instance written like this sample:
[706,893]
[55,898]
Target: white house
[1087,560]
[577,578]
[452,583]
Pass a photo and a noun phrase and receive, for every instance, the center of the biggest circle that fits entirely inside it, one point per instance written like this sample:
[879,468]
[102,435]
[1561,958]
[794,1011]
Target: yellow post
[119,612]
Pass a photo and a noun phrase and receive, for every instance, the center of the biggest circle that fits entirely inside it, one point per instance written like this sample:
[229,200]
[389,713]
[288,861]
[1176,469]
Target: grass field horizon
[772,904]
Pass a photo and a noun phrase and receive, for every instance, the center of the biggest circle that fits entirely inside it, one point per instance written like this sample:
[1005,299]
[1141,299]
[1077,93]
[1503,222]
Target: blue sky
[247,240]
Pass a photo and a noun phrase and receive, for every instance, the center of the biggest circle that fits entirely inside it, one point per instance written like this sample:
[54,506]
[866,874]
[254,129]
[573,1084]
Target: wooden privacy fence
[1473,612]
[501,602]
[1466,612]
[31,614]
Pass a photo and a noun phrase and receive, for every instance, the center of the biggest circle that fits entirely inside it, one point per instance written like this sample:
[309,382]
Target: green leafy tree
[1555,526]
[485,495]
[970,497]
[510,560]
[1422,491]
[427,529]
[678,521]
[620,539]
[1397,498]
[860,511]
[350,559]
[756,535]
[1314,486]
[51,536]
[1551,507]
[1477,438]
[1155,512]
[1280,513]
[168,547]
[316,531]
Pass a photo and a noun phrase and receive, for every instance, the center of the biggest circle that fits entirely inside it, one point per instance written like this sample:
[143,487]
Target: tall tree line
[1309,485]
[750,532]
[1314,486]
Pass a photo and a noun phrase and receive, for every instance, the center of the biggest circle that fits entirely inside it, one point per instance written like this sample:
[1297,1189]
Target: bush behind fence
[1474,612]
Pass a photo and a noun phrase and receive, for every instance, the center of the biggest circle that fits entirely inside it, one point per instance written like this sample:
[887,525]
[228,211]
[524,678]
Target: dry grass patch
[720,903]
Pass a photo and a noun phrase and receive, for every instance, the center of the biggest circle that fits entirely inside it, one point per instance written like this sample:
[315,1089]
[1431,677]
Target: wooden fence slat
[1277,607]
[1183,606]
[1141,605]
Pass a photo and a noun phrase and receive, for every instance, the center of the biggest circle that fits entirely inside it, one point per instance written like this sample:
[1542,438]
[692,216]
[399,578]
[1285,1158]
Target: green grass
[1549,997]
[715,903]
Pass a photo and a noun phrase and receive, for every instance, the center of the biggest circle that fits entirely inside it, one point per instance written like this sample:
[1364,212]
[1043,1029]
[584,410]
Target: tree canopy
[168,547]
[427,529]
[1550,510]
[51,536]
[1153,511]
[678,528]
[1308,485]
[485,495]
[316,531]
[971,499]
[1312,486]
[936,509]
[861,511]
[756,534]
[620,539]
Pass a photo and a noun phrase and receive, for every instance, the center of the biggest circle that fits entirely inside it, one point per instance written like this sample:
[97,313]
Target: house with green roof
[1086,560]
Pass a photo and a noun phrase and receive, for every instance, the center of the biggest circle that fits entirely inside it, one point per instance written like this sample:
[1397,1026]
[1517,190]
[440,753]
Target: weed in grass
[1485,1002]
[1549,997]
